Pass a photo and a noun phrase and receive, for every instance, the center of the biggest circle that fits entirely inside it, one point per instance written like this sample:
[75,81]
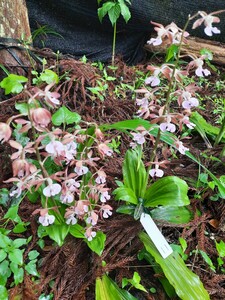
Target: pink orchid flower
[208,19]
[5,132]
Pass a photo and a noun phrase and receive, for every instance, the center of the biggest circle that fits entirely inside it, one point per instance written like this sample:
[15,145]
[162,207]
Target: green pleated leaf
[57,233]
[172,214]
[126,209]
[125,194]
[187,285]
[107,289]
[128,125]
[167,191]
[77,231]
[134,173]
[98,243]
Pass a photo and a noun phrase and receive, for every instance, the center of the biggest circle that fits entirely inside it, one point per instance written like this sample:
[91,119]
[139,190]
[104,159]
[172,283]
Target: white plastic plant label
[156,236]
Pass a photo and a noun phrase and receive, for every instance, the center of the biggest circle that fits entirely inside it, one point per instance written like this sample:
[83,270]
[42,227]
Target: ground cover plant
[88,152]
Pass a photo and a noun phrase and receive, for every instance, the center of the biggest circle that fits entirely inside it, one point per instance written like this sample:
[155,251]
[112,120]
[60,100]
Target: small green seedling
[134,282]
[114,9]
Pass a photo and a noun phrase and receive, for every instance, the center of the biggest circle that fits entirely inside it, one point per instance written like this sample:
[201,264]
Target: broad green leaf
[114,13]
[33,254]
[77,231]
[3,255]
[31,268]
[97,245]
[17,243]
[125,12]
[5,272]
[102,11]
[187,284]
[13,84]
[64,116]
[126,209]
[107,289]
[18,276]
[16,256]
[173,214]
[125,194]
[12,214]
[167,191]
[49,77]
[128,125]
[169,289]
[4,241]
[134,173]
[3,293]
[220,247]
[58,233]
[21,227]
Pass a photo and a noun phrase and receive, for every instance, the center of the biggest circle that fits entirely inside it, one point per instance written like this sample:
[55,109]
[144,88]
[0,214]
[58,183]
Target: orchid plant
[59,164]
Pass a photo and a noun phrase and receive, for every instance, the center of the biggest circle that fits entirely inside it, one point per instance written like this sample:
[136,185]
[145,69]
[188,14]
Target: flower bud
[41,116]
[5,132]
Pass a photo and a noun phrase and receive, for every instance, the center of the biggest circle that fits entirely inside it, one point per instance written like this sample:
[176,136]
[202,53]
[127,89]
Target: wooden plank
[193,48]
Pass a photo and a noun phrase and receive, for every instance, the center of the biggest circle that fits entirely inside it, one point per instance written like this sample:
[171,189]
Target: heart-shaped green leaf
[64,116]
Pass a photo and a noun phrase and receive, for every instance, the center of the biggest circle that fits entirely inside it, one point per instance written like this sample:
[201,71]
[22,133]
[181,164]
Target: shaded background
[77,21]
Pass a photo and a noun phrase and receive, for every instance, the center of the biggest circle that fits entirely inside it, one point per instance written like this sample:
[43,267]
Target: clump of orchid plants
[153,94]
[59,162]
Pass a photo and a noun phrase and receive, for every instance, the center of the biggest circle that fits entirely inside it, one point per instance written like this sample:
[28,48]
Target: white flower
[46,219]
[67,198]
[104,196]
[70,150]
[89,234]
[71,220]
[139,137]
[153,80]
[55,148]
[167,126]
[81,170]
[181,148]
[101,177]
[52,189]
[156,172]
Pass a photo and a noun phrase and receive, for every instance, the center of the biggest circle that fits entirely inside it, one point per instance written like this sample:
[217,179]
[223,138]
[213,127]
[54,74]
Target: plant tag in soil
[155,235]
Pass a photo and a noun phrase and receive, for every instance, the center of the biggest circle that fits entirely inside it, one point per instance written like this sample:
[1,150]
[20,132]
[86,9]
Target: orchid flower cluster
[77,184]
[148,98]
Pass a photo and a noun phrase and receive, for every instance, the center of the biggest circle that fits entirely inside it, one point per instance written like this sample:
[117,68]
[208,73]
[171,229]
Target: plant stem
[171,83]
[114,44]
[221,133]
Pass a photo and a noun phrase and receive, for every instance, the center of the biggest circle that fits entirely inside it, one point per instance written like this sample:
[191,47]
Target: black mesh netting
[77,22]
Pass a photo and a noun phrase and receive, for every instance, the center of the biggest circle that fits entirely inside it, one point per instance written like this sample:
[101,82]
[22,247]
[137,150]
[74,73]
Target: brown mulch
[73,267]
